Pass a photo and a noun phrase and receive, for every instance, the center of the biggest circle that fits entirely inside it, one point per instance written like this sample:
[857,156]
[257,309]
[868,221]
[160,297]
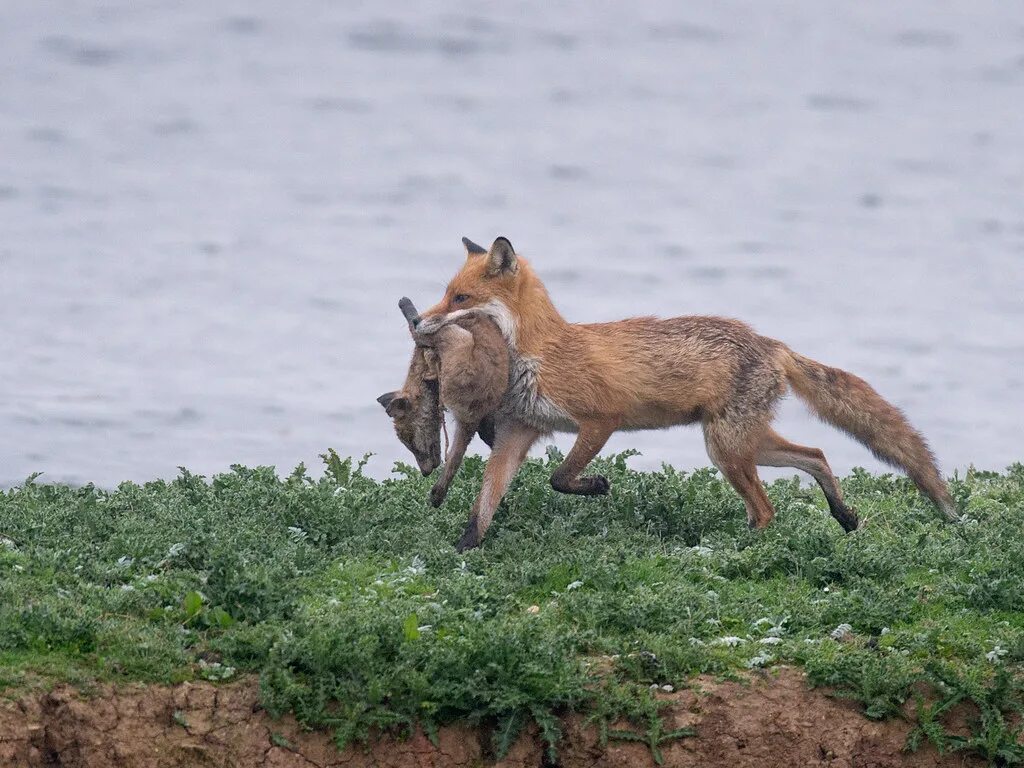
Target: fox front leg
[591,439]
[511,444]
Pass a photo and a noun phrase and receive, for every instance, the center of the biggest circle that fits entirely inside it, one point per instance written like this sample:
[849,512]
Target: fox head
[496,282]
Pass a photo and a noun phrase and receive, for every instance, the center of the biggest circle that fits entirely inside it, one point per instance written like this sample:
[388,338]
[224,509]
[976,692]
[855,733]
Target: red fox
[649,373]
[463,364]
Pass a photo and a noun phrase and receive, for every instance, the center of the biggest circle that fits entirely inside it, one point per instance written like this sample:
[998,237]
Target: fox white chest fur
[523,401]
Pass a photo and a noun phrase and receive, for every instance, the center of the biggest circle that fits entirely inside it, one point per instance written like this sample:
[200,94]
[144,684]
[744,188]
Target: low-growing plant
[344,594]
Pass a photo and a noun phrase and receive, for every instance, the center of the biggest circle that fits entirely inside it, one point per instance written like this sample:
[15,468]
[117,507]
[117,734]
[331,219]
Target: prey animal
[462,365]
[648,373]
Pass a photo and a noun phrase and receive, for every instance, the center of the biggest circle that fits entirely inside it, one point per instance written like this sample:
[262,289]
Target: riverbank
[345,598]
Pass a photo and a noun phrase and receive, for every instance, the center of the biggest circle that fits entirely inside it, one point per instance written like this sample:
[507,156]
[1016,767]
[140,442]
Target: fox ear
[472,249]
[502,258]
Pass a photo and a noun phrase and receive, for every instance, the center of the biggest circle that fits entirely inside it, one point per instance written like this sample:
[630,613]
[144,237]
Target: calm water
[208,210]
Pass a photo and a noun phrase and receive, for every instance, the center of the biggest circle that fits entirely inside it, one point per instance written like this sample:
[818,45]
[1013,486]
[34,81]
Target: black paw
[438,494]
[847,517]
[595,485]
[470,537]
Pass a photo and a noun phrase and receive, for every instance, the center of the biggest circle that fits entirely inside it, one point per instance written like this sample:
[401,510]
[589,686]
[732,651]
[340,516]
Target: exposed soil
[775,720]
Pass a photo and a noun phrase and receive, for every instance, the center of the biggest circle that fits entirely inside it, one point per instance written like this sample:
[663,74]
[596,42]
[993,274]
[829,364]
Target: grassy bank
[346,596]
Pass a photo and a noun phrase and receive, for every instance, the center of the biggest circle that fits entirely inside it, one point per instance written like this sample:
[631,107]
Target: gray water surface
[208,211]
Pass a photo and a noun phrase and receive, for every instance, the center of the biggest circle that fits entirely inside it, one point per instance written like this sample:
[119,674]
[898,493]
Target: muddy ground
[774,720]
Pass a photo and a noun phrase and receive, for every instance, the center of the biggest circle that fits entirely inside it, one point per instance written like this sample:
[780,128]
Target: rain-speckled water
[208,210]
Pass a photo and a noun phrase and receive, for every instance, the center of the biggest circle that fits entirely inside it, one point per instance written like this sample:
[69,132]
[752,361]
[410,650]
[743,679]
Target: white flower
[825,589]
[730,641]
[841,631]
[697,642]
[573,585]
[995,654]
[885,631]
[127,588]
[770,640]
[702,551]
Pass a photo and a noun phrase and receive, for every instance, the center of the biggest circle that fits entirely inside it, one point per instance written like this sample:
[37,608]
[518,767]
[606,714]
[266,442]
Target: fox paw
[847,517]
[592,485]
[470,537]
[595,485]
[438,494]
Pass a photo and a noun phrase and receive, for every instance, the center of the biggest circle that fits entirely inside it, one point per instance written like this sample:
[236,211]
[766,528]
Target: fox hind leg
[776,451]
[732,446]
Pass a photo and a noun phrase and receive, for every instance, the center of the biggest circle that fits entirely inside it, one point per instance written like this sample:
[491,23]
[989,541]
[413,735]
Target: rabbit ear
[395,403]
[501,260]
[472,249]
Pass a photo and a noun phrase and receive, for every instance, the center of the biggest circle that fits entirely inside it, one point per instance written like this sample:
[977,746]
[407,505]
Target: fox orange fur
[649,373]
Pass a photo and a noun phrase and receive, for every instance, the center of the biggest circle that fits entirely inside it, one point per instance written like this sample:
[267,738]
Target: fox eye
[460,298]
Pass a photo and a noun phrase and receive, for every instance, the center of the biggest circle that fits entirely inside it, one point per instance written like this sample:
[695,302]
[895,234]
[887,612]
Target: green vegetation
[346,596]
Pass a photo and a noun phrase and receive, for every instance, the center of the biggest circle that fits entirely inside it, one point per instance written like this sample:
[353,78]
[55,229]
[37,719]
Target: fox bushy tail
[851,404]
